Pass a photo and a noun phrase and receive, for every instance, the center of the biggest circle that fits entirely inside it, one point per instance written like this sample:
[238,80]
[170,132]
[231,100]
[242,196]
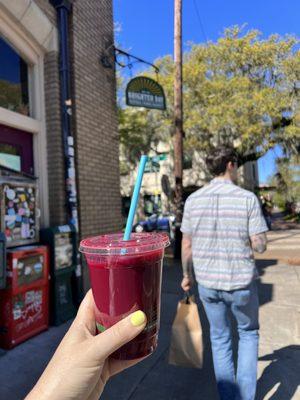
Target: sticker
[38,297]
[32,233]
[20,265]
[10,194]
[10,225]
[11,211]
[25,231]
[10,203]
[100,327]
[18,218]
[71,172]
[17,313]
[27,271]
[29,297]
[15,263]
[64,228]
[10,218]
[21,211]
[25,204]
[22,197]
[38,267]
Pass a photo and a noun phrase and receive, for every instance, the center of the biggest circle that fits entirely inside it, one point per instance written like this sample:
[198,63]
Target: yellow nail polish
[138,318]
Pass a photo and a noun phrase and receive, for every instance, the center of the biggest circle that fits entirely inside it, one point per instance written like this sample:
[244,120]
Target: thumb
[119,334]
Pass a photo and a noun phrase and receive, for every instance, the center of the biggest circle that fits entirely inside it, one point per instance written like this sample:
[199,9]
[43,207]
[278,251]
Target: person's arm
[259,242]
[186,255]
[257,226]
[187,262]
[82,364]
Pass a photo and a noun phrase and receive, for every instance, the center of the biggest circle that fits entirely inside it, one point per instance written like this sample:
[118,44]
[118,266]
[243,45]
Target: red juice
[126,277]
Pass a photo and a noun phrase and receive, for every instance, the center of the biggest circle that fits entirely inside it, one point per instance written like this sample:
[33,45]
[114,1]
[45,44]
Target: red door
[16,149]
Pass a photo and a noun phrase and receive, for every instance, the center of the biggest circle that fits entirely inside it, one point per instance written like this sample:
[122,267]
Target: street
[279,355]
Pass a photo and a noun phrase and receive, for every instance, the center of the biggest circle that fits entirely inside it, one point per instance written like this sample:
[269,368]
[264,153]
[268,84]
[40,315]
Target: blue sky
[146,29]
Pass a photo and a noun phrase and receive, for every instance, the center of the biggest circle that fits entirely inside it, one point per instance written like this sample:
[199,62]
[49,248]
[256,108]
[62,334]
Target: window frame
[35,124]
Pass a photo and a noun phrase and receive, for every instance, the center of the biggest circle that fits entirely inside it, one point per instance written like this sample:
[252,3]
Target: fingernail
[138,318]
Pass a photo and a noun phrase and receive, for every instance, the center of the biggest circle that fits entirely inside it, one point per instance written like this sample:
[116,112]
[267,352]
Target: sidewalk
[284,246]
[279,365]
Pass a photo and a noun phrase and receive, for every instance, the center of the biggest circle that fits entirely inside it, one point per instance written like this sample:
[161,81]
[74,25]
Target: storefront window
[13,80]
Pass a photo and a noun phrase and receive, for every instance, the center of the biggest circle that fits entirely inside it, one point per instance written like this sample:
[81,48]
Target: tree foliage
[287,181]
[241,90]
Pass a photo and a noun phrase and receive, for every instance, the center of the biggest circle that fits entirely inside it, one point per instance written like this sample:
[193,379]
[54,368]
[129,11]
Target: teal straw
[135,198]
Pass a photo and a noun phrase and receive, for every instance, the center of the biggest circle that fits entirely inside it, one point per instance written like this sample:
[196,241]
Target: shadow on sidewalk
[283,372]
[265,290]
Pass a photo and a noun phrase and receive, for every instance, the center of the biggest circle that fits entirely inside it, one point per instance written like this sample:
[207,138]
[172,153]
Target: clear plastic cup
[125,277]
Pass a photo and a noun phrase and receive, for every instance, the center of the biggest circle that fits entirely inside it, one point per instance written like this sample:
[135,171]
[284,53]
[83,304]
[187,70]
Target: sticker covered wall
[19,212]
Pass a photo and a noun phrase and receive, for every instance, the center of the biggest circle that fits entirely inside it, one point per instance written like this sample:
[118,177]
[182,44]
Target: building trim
[27,47]
[19,121]
[28,18]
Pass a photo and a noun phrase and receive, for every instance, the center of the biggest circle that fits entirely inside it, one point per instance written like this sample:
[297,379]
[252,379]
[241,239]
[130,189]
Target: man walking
[222,225]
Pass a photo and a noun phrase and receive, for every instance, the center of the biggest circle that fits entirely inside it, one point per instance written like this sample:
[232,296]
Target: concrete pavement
[279,364]
[283,246]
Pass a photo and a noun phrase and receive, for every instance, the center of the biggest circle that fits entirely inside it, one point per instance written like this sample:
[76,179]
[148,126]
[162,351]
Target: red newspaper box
[24,303]
[23,315]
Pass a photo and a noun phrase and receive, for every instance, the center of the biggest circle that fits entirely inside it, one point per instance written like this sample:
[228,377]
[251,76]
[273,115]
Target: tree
[241,90]
[287,181]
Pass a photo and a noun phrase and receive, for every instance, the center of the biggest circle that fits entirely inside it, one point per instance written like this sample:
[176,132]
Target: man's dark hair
[218,159]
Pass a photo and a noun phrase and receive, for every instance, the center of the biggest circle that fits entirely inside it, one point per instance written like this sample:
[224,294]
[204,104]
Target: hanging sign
[145,92]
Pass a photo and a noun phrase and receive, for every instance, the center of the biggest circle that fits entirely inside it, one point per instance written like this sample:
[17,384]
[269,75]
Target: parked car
[156,222]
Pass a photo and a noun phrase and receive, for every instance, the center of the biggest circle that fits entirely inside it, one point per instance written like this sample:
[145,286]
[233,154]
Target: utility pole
[178,122]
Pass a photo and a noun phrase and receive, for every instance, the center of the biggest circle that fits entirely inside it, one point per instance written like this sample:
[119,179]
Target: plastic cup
[125,277]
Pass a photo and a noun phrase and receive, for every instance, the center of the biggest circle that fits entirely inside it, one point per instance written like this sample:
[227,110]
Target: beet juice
[126,277]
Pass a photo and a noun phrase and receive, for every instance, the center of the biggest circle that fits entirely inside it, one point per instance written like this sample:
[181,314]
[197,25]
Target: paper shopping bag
[186,349]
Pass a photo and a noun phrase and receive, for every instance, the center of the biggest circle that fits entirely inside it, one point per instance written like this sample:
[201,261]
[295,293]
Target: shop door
[16,150]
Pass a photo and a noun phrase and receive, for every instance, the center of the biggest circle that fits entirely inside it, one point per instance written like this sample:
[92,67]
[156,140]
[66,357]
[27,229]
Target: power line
[199,19]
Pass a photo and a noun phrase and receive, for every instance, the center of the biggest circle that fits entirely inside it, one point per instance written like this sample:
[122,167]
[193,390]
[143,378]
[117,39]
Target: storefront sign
[145,92]
[153,163]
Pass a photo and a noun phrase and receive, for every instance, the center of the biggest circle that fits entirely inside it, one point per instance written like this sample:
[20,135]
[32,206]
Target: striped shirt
[220,218]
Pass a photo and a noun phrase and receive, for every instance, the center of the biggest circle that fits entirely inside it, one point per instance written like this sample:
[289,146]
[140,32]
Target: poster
[63,250]
[30,269]
[18,213]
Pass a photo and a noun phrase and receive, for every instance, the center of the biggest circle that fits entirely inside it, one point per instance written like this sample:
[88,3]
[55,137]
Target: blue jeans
[244,306]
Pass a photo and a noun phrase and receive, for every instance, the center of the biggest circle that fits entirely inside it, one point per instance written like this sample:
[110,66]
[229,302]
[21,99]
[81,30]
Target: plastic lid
[114,243]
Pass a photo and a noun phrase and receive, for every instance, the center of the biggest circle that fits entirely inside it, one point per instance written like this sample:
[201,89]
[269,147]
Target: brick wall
[53,127]
[95,118]
[94,121]
[56,178]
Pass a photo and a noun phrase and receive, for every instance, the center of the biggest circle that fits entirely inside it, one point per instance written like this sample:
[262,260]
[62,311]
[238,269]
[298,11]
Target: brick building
[30,108]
